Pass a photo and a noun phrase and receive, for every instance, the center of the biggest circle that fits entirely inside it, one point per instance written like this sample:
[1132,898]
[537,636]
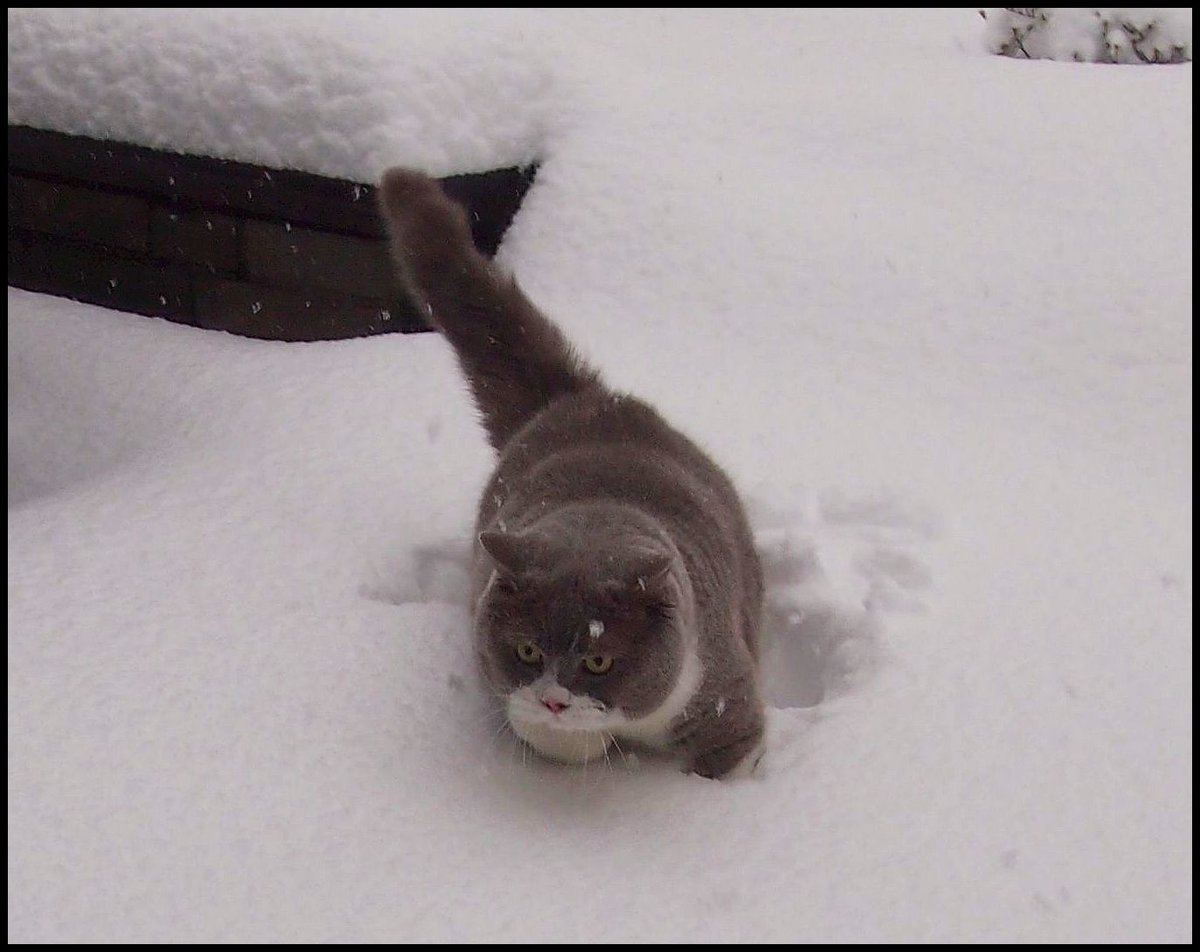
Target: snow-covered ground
[930,307]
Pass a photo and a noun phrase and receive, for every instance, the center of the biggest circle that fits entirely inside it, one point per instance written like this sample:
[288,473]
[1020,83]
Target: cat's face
[580,647]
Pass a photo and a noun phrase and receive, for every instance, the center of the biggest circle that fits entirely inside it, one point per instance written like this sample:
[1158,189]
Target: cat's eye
[529,653]
[598,664]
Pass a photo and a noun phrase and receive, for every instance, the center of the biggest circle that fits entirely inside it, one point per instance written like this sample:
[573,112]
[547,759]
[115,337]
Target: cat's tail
[515,359]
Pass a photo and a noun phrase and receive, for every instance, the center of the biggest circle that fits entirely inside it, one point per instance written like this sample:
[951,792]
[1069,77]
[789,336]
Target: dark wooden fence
[269,253]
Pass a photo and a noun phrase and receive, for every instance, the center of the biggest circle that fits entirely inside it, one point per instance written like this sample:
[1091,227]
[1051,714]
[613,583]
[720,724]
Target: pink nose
[555,706]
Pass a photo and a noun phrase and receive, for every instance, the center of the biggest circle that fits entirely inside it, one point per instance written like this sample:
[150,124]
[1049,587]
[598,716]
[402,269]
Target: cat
[616,591]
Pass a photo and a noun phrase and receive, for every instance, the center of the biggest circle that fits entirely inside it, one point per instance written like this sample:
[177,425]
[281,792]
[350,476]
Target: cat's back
[600,446]
[618,446]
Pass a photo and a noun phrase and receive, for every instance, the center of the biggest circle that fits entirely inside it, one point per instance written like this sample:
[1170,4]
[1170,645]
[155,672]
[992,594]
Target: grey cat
[616,590]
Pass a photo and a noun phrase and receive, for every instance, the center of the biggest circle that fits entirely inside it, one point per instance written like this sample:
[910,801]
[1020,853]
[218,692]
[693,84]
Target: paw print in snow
[835,565]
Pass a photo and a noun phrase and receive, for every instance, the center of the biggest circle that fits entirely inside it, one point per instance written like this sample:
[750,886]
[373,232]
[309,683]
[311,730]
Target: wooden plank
[277,313]
[206,240]
[237,187]
[302,257]
[102,218]
[92,274]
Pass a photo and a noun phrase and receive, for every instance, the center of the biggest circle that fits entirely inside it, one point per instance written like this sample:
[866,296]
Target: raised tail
[515,359]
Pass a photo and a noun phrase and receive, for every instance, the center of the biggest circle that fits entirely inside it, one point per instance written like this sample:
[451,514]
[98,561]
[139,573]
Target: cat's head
[585,636]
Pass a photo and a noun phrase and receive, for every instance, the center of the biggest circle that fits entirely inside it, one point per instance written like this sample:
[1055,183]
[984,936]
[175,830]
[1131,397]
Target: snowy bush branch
[1091,36]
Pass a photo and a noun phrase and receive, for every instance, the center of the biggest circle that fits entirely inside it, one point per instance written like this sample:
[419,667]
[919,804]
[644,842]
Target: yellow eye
[598,664]
[529,653]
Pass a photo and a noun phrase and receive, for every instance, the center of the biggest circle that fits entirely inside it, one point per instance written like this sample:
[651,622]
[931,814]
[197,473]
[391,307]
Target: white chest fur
[574,735]
[653,730]
[584,731]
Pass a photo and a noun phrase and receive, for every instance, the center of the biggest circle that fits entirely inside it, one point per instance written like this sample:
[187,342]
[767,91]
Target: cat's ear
[502,547]
[514,552]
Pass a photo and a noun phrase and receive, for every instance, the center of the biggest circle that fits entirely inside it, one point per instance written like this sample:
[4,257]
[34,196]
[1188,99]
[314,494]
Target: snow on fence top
[343,93]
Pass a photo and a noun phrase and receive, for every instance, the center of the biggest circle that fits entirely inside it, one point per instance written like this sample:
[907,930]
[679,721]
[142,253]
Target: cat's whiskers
[613,737]
[494,716]
[502,728]
[501,749]
[525,749]
[489,715]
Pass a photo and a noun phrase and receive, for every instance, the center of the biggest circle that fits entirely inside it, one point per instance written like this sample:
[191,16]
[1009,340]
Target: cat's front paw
[737,759]
[753,764]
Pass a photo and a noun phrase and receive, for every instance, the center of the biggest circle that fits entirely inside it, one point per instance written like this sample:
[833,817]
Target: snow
[337,92]
[930,307]
[1101,35]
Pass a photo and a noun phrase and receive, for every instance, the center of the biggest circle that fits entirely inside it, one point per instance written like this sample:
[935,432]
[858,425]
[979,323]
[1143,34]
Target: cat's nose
[553,705]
